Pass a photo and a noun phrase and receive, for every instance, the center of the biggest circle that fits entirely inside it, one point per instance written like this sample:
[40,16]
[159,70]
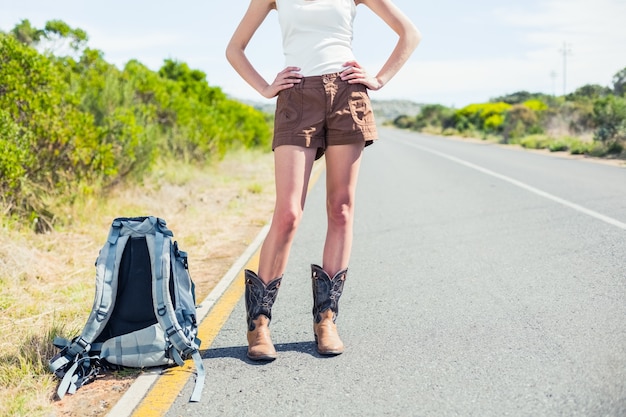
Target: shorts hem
[365,135]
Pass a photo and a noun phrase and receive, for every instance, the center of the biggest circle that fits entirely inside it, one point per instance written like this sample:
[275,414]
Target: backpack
[144,311]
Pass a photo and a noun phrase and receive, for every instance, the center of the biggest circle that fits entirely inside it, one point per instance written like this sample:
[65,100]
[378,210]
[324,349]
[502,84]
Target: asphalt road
[485,281]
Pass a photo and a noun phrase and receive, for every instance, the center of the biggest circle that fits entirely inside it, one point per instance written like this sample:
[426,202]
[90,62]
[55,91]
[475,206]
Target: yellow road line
[166,389]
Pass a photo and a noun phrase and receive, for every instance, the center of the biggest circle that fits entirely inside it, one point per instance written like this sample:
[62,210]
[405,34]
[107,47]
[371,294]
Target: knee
[340,211]
[286,221]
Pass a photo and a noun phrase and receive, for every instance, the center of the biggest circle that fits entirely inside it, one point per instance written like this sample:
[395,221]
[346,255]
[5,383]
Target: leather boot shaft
[259,297]
[259,301]
[326,294]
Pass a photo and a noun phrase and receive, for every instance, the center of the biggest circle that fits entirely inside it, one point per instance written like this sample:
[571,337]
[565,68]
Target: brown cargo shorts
[323,111]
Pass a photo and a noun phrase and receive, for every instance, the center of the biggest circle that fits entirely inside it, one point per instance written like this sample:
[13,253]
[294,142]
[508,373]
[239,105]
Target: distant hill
[383,109]
[390,109]
[266,107]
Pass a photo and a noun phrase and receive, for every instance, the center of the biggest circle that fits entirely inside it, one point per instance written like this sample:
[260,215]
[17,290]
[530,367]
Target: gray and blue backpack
[144,310]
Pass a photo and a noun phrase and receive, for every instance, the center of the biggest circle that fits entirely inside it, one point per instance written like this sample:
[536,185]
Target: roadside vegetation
[72,124]
[590,121]
[82,142]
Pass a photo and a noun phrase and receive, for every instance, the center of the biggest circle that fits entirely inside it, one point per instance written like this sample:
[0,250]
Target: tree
[520,97]
[56,32]
[434,115]
[610,117]
[26,33]
[588,92]
[59,30]
[619,83]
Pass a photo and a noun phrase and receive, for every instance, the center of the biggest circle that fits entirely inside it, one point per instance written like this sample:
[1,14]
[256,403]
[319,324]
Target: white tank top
[317,34]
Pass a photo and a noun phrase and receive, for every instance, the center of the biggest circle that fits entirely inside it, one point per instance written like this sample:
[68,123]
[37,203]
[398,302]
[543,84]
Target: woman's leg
[293,165]
[342,169]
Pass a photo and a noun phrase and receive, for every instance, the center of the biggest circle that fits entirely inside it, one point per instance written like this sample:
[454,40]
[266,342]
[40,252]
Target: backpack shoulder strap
[75,364]
[107,274]
[160,252]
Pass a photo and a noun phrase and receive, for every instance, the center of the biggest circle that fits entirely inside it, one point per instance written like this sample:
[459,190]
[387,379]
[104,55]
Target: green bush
[404,122]
[57,143]
[535,142]
[14,155]
[434,116]
[609,115]
[535,105]
[578,147]
[70,124]
[488,117]
[520,121]
[558,145]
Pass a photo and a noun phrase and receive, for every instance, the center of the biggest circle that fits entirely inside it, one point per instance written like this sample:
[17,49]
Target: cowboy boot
[326,293]
[259,301]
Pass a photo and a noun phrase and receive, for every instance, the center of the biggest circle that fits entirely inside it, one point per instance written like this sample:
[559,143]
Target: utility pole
[566,51]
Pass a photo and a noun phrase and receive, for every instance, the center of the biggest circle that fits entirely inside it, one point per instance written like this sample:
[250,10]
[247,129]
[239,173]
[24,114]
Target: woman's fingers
[285,79]
[354,73]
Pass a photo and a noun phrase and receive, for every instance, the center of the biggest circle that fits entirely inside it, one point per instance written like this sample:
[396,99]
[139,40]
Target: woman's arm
[235,52]
[409,38]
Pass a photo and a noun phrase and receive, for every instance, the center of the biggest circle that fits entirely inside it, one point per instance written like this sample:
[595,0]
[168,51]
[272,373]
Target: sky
[470,51]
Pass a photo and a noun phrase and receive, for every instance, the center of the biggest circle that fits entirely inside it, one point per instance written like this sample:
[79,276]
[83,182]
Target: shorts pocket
[361,107]
[288,109]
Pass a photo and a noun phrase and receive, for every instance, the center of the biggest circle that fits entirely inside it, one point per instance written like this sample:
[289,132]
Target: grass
[573,145]
[24,377]
[553,143]
[47,280]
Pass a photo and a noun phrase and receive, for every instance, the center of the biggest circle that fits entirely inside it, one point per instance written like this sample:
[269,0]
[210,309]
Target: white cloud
[592,31]
[460,82]
[594,34]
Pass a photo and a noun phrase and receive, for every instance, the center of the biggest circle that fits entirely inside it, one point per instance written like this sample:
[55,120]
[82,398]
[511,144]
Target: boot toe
[330,351]
[261,356]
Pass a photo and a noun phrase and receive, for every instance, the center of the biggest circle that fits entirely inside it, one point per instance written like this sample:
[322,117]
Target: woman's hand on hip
[355,74]
[285,79]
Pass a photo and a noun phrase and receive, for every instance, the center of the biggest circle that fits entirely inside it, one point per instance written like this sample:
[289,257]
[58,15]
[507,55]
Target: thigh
[293,165]
[342,170]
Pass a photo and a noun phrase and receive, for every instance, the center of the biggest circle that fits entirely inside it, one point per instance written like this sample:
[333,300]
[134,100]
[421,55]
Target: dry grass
[47,281]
